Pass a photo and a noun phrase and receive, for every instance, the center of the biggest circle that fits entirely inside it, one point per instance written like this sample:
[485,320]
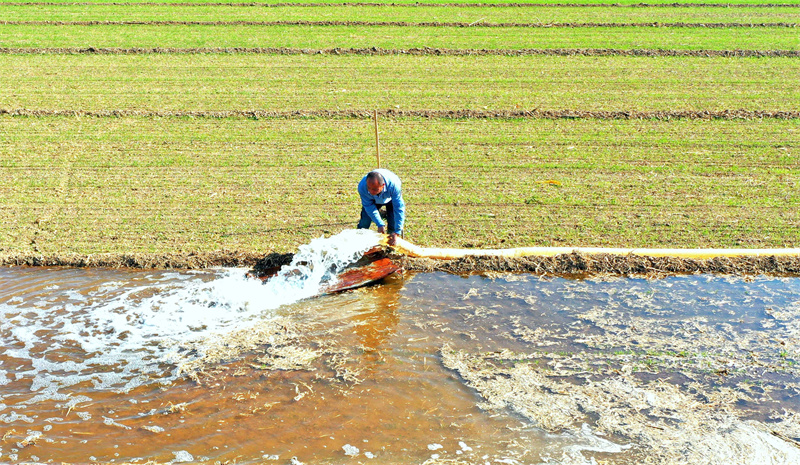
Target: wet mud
[442,114]
[421,5]
[406,24]
[574,264]
[198,260]
[377,51]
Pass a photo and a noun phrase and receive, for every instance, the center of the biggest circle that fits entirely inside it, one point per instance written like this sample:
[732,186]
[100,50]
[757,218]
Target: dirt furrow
[406,24]
[377,51]
[141,261]
[440,114]
[417,5]
[566,264]
[625,265]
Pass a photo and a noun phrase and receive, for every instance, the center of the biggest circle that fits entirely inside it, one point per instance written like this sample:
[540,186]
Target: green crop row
[91,185]
[319,82]
[509,3]
[393,37]
[397,13]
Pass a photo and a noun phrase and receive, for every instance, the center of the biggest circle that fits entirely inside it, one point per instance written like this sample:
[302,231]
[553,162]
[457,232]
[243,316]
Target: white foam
[182,456]
[318,263]
[349,450]
[743,443]
[15,417]
[112,422]
[124,333]
[577,442]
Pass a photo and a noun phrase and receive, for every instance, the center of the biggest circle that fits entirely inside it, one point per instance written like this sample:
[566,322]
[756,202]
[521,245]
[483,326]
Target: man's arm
[399,211]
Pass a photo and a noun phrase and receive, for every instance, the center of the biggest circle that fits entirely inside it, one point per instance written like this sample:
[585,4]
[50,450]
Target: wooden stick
[377,141]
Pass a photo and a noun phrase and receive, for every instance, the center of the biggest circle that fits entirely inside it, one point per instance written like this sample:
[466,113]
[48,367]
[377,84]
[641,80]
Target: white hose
[412,250]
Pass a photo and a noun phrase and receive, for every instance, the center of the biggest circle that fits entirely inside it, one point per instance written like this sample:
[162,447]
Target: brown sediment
[672,388]
[660,115]
[279,338]
[574,264]
[197,260]
[404,24]
[377,51]
[665,422]
[271,262]
[418,5]
[281,343]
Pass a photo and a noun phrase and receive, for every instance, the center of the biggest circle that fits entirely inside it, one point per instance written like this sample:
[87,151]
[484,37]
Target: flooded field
[135,366]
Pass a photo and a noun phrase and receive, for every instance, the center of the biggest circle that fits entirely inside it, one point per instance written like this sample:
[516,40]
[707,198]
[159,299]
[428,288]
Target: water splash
[121,334]
[317,264]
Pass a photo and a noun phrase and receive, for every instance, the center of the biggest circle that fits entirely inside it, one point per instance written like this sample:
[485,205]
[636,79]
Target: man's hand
[381,229]
[392,239]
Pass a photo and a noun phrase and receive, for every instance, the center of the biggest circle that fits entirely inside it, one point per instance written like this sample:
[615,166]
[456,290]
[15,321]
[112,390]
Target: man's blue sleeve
[369,204]
[399,210]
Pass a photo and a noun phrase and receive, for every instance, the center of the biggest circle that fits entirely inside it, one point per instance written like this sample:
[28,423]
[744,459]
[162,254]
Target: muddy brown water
[89,364]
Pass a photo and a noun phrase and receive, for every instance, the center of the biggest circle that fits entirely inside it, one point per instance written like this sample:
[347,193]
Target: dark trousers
[366,221]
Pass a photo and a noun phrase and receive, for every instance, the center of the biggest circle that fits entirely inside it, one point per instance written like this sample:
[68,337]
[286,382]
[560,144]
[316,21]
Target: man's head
[375,183]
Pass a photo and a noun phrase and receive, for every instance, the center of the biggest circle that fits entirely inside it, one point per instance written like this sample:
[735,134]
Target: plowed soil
[442,114]
[376,51]
[397,24]
[574,264]
[426,5]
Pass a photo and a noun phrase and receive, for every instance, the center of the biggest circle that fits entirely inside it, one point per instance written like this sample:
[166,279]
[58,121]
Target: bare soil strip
[574,264]
[625,265]
[377,51]
[198,260]
[439,114]
[421,5]
[404,24]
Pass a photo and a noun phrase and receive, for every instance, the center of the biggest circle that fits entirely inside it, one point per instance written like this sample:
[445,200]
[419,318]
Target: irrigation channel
[116,365]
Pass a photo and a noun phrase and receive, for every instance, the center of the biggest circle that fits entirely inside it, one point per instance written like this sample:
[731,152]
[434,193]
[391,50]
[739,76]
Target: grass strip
[412,3]
[181,185]
[392,37]
[375,51]
[399,13]
[335,83]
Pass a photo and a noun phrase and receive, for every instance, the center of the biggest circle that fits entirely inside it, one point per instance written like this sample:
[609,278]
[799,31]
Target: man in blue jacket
[377,189]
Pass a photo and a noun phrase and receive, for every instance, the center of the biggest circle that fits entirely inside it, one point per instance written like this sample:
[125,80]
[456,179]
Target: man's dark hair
[375,176]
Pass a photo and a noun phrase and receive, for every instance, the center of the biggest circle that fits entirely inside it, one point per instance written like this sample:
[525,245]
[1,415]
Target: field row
[468,15]
[389,37]
[393,113]
[439,52]
[290,83]
[413,3]
[434,24]
[171,184]
[427,51]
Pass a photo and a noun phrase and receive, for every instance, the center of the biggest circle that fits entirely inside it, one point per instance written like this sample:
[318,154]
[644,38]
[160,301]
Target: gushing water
[119,335]
[317,264]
